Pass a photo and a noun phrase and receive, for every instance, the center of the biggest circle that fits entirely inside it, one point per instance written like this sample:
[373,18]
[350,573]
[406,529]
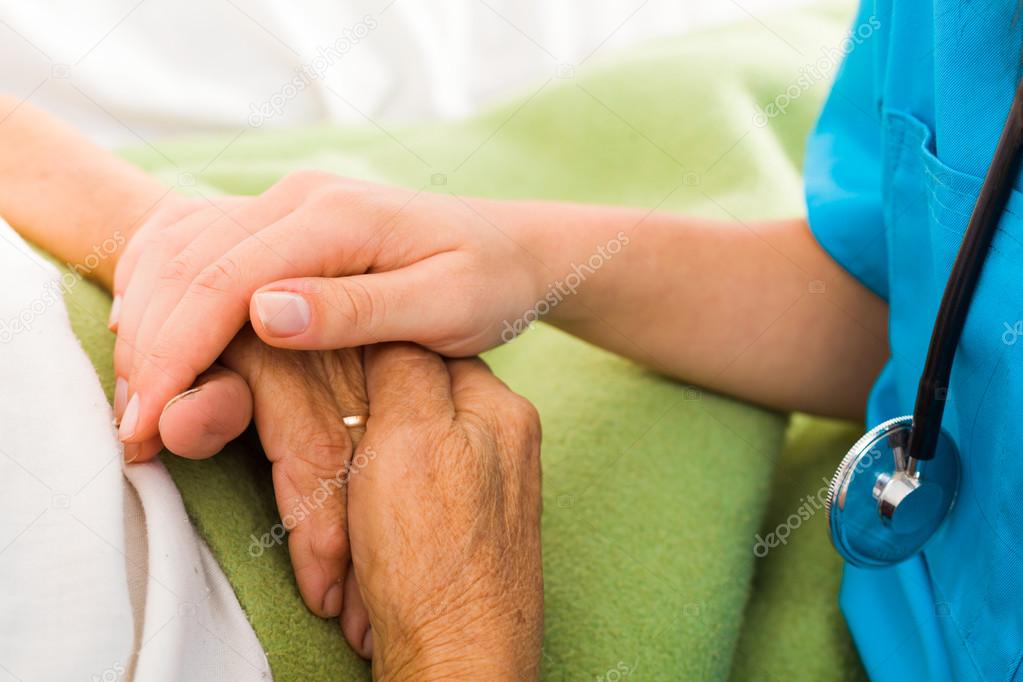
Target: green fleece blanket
[654,491]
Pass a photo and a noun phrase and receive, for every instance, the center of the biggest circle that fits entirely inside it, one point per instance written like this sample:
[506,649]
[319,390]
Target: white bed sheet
[133,71]
[103,576]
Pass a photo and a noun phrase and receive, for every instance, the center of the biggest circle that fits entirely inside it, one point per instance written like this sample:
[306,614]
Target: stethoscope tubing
[962,283]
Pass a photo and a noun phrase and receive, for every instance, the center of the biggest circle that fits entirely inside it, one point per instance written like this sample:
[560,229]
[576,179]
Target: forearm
[758,311]
[76,200]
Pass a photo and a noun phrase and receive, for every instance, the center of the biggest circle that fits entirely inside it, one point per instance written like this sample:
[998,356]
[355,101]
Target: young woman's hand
[296,399]
[139,264]
[445,520]
[373,263]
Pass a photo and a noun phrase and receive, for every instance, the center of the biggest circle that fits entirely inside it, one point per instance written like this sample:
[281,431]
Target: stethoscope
[895,487]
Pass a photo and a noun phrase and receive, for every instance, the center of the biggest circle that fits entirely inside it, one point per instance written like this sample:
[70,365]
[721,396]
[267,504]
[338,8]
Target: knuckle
[360,308]
[302,185]
[159,218]
[305,179]
[330,200]
[168,214]
[169,362]
[330,540]
[319,460]
[521,408]
[159,249]
[341,194]
[523,418]
[220,277]
[409,427]
[177,269]
[162,238]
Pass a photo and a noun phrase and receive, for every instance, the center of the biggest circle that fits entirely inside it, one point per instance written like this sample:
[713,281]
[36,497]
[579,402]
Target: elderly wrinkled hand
[445,520]
[440,502]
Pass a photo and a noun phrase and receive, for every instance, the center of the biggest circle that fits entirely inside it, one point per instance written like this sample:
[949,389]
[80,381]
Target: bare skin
[445,521]
[764,312]
[756,310]
[68,196]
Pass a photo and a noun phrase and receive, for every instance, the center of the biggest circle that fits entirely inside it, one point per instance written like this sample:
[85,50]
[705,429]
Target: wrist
[535,232]
[468,639]
[69,196]
[574,246]
[456,655]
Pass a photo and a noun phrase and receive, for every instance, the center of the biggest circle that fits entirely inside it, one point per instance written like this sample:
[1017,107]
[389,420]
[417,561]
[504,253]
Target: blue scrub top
[893,170]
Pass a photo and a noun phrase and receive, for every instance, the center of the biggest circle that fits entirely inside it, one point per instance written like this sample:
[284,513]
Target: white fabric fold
[102,576]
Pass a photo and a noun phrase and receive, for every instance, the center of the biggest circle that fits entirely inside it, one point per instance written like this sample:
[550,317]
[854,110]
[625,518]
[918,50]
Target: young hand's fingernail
[130,419]
[367,643]
[131,452]
[115,313]
[120,398]
[282,313]
[332,601]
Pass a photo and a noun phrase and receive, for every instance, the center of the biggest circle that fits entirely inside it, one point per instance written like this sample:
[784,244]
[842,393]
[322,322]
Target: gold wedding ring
[355,421]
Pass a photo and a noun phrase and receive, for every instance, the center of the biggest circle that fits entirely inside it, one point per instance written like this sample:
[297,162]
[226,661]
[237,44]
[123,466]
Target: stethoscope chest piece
[883,506]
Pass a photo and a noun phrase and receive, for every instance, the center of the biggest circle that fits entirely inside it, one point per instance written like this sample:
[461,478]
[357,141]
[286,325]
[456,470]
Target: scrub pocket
[976,560]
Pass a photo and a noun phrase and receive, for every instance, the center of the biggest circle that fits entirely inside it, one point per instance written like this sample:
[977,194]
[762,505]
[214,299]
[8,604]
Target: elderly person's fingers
[201,421]
[298,411]
[407,384]
[475,389]
[482,398]
[445,519]
[355,618]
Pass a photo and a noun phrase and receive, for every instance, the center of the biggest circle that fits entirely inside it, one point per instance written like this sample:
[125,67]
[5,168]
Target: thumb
[320,313]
